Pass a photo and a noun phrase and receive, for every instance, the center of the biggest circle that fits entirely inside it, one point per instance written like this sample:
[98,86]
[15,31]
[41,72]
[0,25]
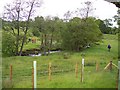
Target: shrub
[8,44]
[66,55]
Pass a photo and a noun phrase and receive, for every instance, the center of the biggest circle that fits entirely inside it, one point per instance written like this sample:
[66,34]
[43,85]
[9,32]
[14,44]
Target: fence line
[52,71]
[41,72]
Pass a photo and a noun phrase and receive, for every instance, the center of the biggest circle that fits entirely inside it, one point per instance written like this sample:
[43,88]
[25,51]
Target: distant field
[64,77]
[31,45]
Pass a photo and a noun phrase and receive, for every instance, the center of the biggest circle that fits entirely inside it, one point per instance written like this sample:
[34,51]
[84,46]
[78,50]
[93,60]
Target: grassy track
[22,68]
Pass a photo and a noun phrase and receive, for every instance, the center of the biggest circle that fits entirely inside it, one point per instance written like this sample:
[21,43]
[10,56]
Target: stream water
[39,54]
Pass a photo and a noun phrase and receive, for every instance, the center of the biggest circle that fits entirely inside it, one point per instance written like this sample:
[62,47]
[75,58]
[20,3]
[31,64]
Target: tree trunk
[42,44]
[27,23]
[23,41]
[42,40]
[45,44]
[51,40]
[17,39]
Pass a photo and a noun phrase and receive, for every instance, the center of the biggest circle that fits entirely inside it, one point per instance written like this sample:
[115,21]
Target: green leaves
[80,33]
[8,44]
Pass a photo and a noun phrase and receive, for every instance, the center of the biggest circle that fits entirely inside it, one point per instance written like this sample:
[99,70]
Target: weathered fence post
[82,70]
[35,75]
[11,73]
[49,71]
[118,75]
[32,78]
[76,70]
[117,80]
[97,66]
[110,66]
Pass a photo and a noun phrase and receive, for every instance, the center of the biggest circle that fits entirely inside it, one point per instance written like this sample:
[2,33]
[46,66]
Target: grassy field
[63,70]
[31,45]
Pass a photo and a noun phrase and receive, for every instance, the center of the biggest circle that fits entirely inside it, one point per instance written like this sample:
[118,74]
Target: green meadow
[63,70]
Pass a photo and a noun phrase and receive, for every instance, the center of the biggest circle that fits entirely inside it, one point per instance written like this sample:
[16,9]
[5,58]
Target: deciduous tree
[20,10]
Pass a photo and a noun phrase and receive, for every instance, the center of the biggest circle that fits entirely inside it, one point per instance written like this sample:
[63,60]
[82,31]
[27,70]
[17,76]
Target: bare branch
[86,11]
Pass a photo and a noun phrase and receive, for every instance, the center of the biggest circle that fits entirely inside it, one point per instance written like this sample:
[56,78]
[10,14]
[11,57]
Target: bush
[66,55]
[80,33]
[8,44]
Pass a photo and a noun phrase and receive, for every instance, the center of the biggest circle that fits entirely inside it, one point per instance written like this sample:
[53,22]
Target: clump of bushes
[66,55]
[8,44]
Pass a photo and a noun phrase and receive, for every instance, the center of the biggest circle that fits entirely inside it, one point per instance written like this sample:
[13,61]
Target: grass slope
[65,75]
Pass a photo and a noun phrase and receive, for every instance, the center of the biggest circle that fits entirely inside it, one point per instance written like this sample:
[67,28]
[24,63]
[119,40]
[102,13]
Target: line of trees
[71,33]
[55,33]
[17,12]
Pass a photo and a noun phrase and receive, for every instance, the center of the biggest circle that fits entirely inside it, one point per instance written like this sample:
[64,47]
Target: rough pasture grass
[31,45]
[22,68]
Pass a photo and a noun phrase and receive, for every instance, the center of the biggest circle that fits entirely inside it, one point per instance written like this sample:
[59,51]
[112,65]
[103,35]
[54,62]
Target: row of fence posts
[34,72]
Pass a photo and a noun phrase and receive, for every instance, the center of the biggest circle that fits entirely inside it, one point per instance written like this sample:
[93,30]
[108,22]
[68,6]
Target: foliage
[8,44]
[70,34]
[106,26]
[19,13]
[80,33]
[102,26]
[48,30]
[37,26]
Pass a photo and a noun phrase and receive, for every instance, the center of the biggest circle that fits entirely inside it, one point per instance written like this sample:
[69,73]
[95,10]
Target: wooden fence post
[81,73]
[118,75]
[49,71]
[32,78]
[97,66]
[11,73]
[76,70]
[110,66]
[117,81]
